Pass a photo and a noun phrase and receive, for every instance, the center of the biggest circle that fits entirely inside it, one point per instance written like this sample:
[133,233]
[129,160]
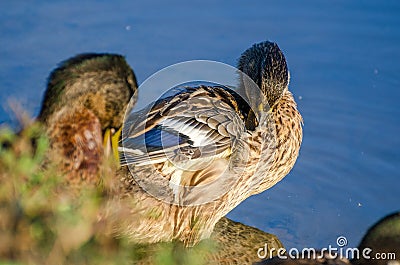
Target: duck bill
[110,143]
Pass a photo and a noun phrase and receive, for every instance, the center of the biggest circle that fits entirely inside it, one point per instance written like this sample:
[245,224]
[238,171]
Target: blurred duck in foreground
[383,240]
[200,150]
[82,111]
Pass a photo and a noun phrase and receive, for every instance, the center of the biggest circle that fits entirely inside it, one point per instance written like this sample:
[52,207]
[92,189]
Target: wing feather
[187,130]
[195,118]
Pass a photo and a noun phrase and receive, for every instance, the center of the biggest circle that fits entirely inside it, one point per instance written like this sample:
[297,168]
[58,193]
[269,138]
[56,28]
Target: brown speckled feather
[76,147]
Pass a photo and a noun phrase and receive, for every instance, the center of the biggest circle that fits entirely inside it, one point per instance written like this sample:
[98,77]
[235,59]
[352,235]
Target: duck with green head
[83,108]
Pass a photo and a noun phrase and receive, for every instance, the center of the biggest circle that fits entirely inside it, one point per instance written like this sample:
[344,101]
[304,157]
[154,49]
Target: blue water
[344,61]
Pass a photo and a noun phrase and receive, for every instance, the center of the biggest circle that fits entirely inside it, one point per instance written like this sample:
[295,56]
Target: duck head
[266,65]
[100,83]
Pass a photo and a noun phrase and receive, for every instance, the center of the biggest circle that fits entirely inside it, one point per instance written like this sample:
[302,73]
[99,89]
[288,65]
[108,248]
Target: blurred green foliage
[43,222]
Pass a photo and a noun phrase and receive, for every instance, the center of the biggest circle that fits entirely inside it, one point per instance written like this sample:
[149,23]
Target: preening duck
[200,150]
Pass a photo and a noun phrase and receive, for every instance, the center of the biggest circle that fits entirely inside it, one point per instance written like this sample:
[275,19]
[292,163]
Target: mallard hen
[200,150]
